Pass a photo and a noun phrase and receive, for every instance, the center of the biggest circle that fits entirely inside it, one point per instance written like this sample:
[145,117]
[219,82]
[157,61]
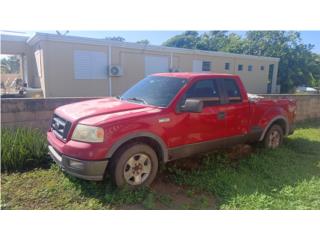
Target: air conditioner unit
[115,71]
[174,70]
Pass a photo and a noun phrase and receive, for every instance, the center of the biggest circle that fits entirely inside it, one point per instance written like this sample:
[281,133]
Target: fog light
[75,164]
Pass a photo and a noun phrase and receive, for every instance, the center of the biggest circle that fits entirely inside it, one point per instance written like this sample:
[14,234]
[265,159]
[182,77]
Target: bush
[22,148]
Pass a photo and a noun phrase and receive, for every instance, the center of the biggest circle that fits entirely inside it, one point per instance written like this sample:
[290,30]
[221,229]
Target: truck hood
[85,109]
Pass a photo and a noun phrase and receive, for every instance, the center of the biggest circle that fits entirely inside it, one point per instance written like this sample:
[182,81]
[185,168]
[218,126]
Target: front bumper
[85,169]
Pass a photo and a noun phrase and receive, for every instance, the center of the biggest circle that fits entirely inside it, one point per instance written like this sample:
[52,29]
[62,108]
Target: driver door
[208,125]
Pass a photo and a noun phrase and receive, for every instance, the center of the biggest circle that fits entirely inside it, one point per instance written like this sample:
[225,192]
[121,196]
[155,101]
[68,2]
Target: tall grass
[22,148]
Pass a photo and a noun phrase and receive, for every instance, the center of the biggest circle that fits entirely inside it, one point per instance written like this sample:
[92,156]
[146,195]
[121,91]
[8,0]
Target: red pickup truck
[163,117]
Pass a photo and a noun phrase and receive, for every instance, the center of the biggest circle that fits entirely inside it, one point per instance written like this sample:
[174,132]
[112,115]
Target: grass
[285,178]
[22,149]
[52,189]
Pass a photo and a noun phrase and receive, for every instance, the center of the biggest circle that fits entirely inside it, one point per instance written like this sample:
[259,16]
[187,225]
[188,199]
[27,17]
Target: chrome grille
[60,127]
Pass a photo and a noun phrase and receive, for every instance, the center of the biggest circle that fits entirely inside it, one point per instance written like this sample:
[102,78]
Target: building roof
[13,36]
[106,42]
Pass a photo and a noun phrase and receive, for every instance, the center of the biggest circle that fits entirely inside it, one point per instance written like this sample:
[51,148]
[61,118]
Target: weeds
[22,148]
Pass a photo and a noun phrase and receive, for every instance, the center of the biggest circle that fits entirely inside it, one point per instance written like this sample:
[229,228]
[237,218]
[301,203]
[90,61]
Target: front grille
[60,127]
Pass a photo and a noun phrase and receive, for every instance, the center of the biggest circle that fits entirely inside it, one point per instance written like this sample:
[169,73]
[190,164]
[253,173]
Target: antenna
[62,34]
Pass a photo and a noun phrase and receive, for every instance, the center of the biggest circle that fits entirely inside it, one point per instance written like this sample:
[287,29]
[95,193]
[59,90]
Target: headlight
[85,133]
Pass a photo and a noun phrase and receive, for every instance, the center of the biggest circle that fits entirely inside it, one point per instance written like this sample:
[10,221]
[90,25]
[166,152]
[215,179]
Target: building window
[240,67]
[270,74]
[227,66]
[206,66]
[250,67]
[90,65]
[262,68]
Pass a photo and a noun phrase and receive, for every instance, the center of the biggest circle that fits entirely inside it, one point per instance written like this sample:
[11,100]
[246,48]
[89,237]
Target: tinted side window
[232,90]
[206,90]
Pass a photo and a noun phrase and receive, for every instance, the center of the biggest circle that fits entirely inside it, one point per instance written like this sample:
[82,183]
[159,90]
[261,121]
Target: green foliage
[298,64]
[116,38]
[144,41]
[188,39]
[149,202]
[22,148]
[10,65]
[53,189]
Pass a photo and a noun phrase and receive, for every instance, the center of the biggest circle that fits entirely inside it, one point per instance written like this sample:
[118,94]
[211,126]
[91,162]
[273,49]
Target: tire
[274,137]
[134,165]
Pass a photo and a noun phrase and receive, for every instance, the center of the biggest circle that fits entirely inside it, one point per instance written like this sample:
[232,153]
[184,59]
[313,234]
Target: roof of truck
[189,75]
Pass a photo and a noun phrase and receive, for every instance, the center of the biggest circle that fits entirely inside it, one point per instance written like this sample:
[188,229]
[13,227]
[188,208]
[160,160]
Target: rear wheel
[273,137]
[134,165]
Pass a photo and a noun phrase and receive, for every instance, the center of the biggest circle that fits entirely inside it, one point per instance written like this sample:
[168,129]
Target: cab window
[232,91]
[205,90]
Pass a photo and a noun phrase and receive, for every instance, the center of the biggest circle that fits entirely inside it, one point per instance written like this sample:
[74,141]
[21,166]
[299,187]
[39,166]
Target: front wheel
[134,165]
[274,137]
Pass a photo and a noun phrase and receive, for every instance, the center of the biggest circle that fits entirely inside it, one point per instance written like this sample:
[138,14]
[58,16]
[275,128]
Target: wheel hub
[274,139]
[137,169]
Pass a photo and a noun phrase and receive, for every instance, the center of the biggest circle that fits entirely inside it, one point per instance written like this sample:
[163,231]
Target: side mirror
[192,105]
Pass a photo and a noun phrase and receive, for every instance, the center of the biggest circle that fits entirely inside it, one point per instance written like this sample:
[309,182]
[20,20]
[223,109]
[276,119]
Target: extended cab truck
[163,117]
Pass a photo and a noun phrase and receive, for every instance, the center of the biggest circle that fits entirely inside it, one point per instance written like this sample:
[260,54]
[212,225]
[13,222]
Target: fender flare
[163,146]
[271,122]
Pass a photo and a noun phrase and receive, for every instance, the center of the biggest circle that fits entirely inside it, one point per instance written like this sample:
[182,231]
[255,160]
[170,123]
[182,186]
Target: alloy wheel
[274,139]
[137,169]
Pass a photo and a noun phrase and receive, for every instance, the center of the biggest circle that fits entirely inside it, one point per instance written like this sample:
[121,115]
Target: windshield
[154,90]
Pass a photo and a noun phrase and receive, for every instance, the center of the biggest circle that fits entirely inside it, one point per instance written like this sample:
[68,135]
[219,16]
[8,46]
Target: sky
[158,37]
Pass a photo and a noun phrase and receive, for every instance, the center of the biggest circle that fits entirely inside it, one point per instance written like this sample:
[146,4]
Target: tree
[10,65]
[235,44]
[314,64]
[116,38]
[144,41]
[297,64]
[187,39]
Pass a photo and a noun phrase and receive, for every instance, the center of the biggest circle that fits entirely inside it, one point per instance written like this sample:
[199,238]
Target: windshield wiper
[137,100]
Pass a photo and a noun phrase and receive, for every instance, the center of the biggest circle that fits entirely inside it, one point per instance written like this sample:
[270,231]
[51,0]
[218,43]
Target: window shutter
[90,65]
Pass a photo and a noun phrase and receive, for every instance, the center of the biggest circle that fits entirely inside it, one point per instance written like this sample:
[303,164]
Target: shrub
[22,148]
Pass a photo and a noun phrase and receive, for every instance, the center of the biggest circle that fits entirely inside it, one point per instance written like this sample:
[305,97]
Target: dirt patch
[167,195]
[187,164]
[172,196]
[238,151]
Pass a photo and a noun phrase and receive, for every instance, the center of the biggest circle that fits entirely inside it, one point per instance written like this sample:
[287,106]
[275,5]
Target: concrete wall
[28,112]
[308,106]
[37,113]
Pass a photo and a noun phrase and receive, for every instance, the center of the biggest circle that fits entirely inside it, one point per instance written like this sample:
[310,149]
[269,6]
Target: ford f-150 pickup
[163,117]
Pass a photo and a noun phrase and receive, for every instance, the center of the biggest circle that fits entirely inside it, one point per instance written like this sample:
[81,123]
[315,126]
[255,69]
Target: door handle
[221,115]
